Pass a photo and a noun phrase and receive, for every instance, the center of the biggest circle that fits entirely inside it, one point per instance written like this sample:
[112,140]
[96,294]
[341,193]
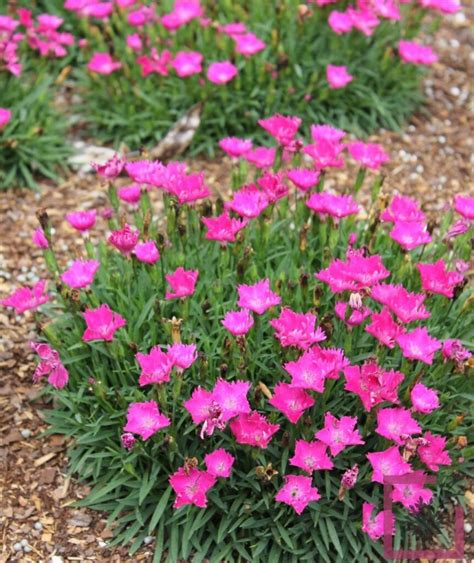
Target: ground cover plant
[240,376]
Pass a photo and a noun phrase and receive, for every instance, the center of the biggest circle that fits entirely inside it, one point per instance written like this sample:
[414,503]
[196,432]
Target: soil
[431,160]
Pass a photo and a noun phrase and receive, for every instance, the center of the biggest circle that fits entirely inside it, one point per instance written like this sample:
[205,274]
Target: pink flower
[424,399]
[134,41]
[407,306]
[200,406]
[103,63]
[145,419]
[454,350]
[182,282]
[125,239]
[24,298]
[147,252]
[403,208]
[356,317]
[291,401]
[238,323]
[81,273]
[273,186]
[338,206]
[297,492]
[223,228]
[374,526]
[388,463]
[155,63]
[248,44]
[102,324]
[464,206]
[326,133]
[419,345]
[314,366]
[130,194]
[372,384]
[235,147]
[325,153]
[156,366]
[396,423]
[5,116]
[338,76]
[364,20]
[257,297]
[182,356]
[221,72]
[187,63]
[82,220]
[191,486]
[384,328]
[436,279]
[311,456]
[261,157]
[443,6]
[349,477]
[303,179]
[128,441]
[253,429]
[297,329]
[219,463]
[340,22]
[50,364]
[248,202]
[412,495]
[110,169]
[433,453]
[39,238]
[355,274]
[282,128]
[456,229]
[410,235]
[141,16]
[338,434]
[231,396]
[370,155]
[416,53]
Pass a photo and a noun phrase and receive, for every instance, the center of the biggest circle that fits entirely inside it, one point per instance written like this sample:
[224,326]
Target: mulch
[431,160]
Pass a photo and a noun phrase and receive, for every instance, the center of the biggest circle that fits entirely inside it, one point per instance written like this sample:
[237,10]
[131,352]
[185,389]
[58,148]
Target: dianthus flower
[182,356]
[403,208]
[82,220]
[221,72]
[370,155]
[384,328]
[273,186]
[326,154]
[156,366]
[257,297]
[248,44]
[235,147]
[338,206]
[356,317]
[338,76]
[23,299]
[182,282]
[50,364]
[187,63]
[291,401]
[223,228]
[145,419]
[424,399]
[454,350]
[416,53]
[374,525]
[191,486]
[130,194]
[314,366]
[147,252]
[326,133]
[373,384]
[436,279]
[124,239]
[81,273]
[248,202]
[253,429]
[5,116]
[311,456]
[412,495]
[340,22]
[443,6]
[433,452]
[464,206]
[110,169]
[407,306]
[297,329]
[39,238]
[303,178]
[297,492]
[410,235]
[419,345]
[261,157]
[103,63]
[156,62]
[102,323]
[338,434]
[219,463]
[187,188]
[388,463]
[238,323]
[393,423]
[282,128]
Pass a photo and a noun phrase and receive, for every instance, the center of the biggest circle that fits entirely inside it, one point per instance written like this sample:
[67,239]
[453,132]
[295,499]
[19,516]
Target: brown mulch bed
[431,160]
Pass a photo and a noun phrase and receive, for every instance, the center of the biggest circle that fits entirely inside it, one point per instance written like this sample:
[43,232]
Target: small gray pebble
[38,526]
[467,528]
[27,549]
[148,539]
[17,546]
[26,433]
[24,542]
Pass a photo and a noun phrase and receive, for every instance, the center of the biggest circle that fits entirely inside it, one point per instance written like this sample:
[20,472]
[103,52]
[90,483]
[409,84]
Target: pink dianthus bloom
[273,186]
[231,396]
[39,238]
[191,486]
[235,147]
[297,329]
[416,53]
[443,6]
[261,157]
[283,128]
[395,423]
[82,220]
[223,228]
[338,76]
[50,364]
[182,356]
[424,399]
[156,366]
[134,42]
[373,384]
[433,452]
[412,495]
[248,44]
[407,306]
[23,299]
[187,63]
[384,328]
[221,72]
[464,206]
[145,419]
[253,429]
[326,133]
[103,63]
[81,273]
[454,350]
[374,525]
[436,279]
[303,178]
[291,401]
[370,155]
[110,169]
[248,202]
[338,434]
[338,206]
[356,317]
[182,282]
[155,62]
[325,153]
[102,323]
[125,239]
[419,345]
[403,208]
[130,194]
[257,297]
[297,492]
[410,235]
[5,116]
[388,463]
[147,252]
[311,456]
[238,323]
[219,463]
[340,22]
